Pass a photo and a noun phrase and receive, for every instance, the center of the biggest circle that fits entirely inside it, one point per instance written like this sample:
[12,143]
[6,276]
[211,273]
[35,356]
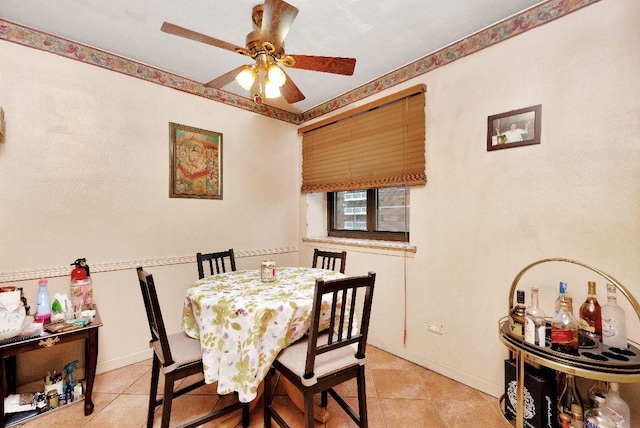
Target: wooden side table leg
[91,359]
[3,388]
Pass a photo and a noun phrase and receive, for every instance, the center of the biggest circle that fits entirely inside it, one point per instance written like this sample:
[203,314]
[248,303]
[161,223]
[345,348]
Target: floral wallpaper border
[518,24]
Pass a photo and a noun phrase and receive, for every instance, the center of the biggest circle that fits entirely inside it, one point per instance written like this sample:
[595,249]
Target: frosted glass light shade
[271,90]
[276,75]
[246,77]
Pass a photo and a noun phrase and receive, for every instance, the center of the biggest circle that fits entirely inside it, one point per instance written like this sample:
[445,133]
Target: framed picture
[195,162]
[515,128]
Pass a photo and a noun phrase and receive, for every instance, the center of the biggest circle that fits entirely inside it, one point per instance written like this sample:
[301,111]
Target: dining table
[243,322]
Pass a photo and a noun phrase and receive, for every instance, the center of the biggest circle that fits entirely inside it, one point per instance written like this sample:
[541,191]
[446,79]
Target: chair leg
[308,409]
[362,398]
[153,392]
[323,399]
[169,380]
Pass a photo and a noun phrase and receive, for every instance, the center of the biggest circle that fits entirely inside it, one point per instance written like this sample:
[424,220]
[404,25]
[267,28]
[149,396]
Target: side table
[8,351]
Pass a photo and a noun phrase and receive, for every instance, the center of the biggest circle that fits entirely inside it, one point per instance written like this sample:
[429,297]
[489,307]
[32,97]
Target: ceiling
[381,35]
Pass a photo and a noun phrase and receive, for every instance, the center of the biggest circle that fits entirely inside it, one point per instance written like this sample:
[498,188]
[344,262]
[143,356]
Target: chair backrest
[341,332]
[216,261]
[159,340]
[328,259]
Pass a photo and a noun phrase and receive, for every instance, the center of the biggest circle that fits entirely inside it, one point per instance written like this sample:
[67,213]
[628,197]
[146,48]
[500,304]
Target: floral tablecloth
[243,323]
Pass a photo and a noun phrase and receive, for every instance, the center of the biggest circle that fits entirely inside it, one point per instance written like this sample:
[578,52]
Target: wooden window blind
[380,144]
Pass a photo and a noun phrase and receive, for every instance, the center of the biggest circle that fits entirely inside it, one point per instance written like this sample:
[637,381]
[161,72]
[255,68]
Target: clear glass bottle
[561,296]
[564,331]
[590,314]
[516,315]
[598,416]
[570,403]
[614,323]
[577,416]
[599,387]
[618,409]
[534,321]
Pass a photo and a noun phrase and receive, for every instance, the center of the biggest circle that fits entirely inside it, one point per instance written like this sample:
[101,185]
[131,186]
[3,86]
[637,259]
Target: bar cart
[594,360]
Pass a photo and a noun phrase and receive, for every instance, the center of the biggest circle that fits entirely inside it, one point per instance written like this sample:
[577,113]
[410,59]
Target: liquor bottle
[590,314]
[570,403]
[614,323]
[565,420]
[516,315]
[561,296]
[598,416]
[599,387]
[618,409]
[534,321]
[564,331]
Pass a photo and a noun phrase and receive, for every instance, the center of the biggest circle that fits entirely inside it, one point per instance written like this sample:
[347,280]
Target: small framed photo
[515,128]
[195,162]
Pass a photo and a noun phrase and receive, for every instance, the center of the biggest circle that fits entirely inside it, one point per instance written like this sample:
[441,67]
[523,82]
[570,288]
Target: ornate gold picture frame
[195,162]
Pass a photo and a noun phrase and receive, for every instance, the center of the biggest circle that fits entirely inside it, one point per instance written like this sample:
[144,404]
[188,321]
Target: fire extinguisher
[81,286]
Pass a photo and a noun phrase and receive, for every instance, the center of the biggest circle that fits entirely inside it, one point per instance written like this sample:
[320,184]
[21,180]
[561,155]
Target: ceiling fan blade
[276,21]
[327,64]
[225,79]
[176,30]
[290,91]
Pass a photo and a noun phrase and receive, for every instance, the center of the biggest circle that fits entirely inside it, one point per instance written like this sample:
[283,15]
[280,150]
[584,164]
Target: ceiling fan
[265,45]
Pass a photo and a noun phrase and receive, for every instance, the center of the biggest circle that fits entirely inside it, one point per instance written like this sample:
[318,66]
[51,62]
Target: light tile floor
[399,394]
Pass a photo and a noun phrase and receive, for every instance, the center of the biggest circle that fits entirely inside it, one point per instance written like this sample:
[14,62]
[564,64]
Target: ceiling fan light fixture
[246,77]
[271,89]
[287,60]
[276,75]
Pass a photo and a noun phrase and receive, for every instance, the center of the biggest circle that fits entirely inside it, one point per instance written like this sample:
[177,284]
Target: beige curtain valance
[377,145]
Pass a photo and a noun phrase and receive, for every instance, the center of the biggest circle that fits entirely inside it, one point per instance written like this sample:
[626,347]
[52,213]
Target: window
[367,159]
[370,214]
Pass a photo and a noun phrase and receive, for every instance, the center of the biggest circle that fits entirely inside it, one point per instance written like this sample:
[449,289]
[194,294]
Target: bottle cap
[563,287]
[43,281]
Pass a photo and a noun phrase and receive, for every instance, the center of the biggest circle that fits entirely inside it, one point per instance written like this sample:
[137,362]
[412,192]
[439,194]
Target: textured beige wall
[483,216]
[84,172]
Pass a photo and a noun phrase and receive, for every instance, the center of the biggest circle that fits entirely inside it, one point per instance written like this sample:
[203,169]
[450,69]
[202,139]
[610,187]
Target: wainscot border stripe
[131,264]
[535,16]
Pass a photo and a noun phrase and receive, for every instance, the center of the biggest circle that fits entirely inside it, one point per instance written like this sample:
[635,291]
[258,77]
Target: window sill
[364,243]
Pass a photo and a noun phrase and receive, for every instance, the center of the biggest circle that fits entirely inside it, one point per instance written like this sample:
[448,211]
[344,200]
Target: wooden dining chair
[217,262]
[323,360]
[328,259]
[177,356]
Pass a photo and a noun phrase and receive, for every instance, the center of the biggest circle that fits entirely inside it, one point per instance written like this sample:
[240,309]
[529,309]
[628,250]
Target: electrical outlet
[434,327]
